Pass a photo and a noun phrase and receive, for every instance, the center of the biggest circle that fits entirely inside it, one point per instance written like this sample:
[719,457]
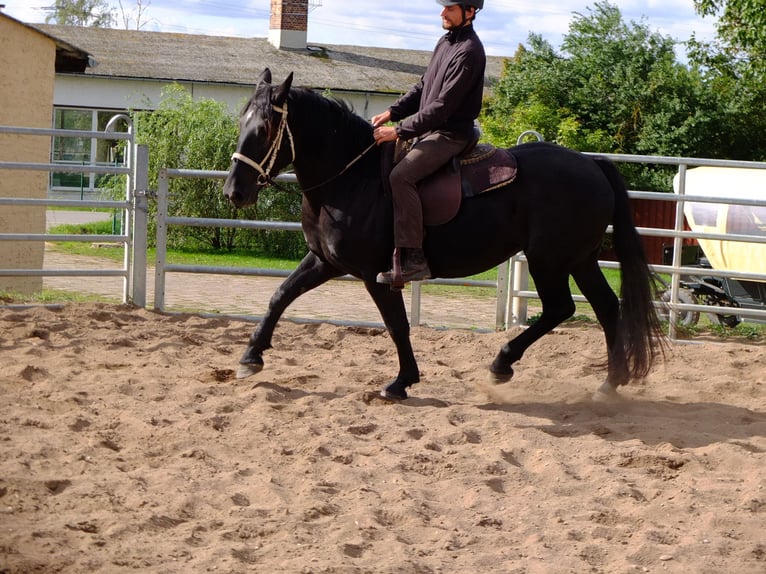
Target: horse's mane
[318,112]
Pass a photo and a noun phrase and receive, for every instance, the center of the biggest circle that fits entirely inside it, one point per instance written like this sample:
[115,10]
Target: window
[84,150]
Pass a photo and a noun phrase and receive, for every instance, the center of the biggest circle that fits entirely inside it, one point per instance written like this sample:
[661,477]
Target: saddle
[479,169]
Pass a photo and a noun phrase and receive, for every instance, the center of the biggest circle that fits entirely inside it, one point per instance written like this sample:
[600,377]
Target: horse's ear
[264,78]
[280,95]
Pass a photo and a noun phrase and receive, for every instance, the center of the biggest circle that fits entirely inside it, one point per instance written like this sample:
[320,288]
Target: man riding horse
[438,114]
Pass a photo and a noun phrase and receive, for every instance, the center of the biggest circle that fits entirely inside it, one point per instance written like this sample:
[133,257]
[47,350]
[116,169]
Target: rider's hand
[384,134]
[380,119]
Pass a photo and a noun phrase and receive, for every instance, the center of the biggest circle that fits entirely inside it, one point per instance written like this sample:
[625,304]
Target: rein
[344,170]
[265,177]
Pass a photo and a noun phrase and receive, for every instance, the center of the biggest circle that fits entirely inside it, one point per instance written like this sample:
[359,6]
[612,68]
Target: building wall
[27,61]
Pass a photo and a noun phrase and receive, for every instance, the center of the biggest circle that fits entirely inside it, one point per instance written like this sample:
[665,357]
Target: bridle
[265,177]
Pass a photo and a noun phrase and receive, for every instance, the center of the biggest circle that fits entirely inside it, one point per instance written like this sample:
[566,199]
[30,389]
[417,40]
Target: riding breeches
[425,157]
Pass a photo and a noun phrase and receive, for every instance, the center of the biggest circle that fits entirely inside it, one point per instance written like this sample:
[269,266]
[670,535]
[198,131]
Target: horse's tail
[640,327]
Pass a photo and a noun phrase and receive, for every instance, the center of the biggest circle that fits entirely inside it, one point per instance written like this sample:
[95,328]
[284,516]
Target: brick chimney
[289,23]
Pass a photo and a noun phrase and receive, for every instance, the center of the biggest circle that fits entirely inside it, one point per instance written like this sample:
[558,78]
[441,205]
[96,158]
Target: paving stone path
[342,301]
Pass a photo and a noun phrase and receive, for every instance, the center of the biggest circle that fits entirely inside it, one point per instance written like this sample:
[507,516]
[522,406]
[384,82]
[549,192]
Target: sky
[408,24]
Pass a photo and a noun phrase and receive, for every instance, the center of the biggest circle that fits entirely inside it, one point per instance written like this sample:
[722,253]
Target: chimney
[289,23]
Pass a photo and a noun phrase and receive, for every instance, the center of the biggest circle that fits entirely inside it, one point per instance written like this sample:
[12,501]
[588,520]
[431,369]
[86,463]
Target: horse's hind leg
[310,273]
[553,289]
[606,305]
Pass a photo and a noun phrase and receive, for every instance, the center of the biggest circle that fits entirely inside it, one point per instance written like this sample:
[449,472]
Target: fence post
[675,280]
[501,308]
[519,282]
[162,240]
[140,227]
[415,302]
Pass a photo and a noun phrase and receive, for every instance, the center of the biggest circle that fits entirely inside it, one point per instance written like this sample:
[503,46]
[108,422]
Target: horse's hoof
[606,393]
[392,397]
[395,391]
[496,378]
[248,370]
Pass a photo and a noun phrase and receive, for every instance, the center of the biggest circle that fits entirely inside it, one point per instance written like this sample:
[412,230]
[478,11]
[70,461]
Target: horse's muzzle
[231,190]
[238,198]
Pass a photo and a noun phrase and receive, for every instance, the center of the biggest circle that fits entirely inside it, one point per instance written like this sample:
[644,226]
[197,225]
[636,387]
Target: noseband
[265,176]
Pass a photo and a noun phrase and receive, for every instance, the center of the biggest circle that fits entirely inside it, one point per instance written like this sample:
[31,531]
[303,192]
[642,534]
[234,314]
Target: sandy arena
[127,445]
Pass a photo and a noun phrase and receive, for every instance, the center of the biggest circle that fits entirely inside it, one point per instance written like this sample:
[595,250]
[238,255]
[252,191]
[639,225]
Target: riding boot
[414,268]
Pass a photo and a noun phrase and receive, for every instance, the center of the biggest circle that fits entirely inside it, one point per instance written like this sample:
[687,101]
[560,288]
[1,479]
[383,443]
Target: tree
[95,13]
[184,133]
[741,25]
[735,70]
[136,14]
[618,88]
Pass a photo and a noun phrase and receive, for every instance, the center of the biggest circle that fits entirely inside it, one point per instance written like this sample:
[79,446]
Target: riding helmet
[478,4]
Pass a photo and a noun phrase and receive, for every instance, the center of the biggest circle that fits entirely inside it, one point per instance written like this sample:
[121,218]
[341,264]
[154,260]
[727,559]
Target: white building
[128,69]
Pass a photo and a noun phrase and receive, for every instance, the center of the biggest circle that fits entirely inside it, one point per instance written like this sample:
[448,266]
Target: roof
[69,58]
[239,61]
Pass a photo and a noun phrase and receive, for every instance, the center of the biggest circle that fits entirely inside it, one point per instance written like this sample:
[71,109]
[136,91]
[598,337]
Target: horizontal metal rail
[509,272]
[65,167]
[63,273]
[90,203]
[64,237]
[66,133]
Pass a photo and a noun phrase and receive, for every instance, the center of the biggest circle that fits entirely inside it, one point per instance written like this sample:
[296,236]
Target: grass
[754,332]
[51,296]
[240,258]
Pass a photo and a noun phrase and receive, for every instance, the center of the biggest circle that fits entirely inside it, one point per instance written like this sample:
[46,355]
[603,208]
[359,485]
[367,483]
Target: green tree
[734,65]
[94,13]
[184,133]
[615,87]
[741,25]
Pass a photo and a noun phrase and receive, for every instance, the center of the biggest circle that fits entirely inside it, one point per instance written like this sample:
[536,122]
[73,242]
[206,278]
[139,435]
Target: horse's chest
[331,234]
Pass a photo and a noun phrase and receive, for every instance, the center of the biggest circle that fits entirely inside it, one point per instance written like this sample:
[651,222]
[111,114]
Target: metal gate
[134,208]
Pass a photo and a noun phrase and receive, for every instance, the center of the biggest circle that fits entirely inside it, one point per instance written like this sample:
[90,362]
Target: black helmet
[478,4]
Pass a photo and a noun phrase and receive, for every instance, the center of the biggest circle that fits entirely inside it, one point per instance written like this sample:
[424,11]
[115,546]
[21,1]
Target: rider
[438,113]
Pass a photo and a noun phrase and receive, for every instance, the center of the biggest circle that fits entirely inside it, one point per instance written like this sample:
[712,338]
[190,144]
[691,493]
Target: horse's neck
[326,169]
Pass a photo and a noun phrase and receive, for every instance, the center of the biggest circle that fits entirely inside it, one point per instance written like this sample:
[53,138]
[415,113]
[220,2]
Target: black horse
[556,211]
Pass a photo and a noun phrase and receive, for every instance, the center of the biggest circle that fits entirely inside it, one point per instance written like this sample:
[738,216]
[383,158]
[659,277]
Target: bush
[201,134]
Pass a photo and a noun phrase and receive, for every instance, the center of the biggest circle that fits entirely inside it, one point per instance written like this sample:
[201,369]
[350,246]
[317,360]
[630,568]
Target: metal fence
[134,208]
[676,270]
[512,284]
[162,267]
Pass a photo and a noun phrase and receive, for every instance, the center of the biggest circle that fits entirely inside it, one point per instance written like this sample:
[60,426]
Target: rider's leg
[425,157]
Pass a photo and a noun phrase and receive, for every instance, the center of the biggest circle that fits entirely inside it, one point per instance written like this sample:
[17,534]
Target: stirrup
[398,276]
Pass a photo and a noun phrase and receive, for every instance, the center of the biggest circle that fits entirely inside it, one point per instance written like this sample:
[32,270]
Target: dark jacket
[448,96]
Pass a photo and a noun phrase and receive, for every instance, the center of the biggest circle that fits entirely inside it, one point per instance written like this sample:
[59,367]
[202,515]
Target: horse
[556,211]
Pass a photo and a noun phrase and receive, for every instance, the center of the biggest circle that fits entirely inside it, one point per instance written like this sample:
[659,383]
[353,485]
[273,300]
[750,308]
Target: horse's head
[265,143]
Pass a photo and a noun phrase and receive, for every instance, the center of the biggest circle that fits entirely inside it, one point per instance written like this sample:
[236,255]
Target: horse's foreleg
[391,306]
[310,273]
[557,306]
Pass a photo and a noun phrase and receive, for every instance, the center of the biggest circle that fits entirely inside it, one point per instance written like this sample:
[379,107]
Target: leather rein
[265,177]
